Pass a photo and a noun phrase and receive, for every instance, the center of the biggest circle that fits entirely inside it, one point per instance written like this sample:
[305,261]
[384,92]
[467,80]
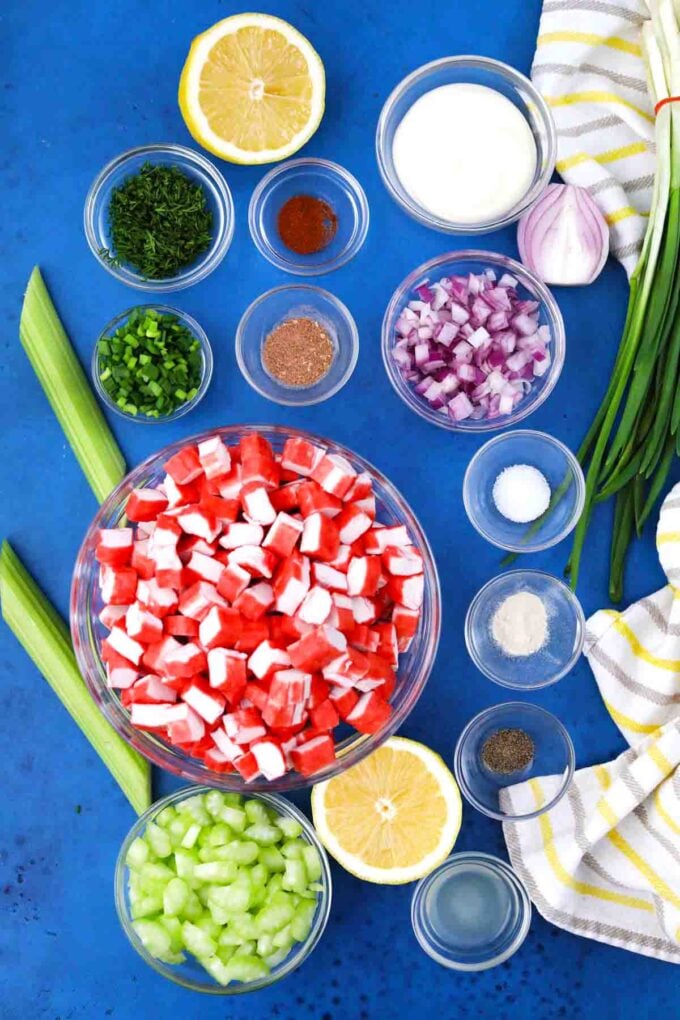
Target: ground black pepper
[508,750]
[298,352]
[306,224]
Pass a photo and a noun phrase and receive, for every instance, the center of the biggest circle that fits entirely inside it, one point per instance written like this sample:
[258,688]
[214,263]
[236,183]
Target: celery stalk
[45,637]
[68,391]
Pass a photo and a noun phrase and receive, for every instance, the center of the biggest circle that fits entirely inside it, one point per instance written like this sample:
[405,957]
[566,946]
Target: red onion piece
[564,238]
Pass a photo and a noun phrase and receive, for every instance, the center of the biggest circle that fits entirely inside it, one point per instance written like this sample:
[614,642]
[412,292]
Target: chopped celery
[45,637]
[67,389]
[263,833]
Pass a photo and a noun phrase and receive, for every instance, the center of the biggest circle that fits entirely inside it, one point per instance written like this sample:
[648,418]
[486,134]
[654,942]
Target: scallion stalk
[45,637]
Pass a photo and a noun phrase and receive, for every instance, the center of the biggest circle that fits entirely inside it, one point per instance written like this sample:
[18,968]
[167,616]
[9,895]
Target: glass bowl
[559,467]
[471,913]
[566,631]
[292,301]
[551,769]
[206,369]
[321,179]
[191,974]
[87,631]
[195,166]
[478,71]
[530,286]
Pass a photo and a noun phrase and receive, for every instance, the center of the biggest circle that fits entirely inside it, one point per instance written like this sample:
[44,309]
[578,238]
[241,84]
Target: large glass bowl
[191,974]
[477,71]
[87,631]
[530,287]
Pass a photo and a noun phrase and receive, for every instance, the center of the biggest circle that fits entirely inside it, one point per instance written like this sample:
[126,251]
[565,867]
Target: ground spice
[306,224]
[508,750]
[298,352]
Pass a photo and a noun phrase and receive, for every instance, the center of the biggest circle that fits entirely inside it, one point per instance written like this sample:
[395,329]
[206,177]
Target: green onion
[629,448]
[45,637]
[164,373]
[68,391]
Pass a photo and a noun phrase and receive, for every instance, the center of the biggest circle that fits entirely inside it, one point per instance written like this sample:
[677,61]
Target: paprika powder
[306,224]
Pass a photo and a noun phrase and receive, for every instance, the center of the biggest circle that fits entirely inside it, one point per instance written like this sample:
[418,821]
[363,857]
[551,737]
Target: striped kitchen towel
[605,862]
[589,67]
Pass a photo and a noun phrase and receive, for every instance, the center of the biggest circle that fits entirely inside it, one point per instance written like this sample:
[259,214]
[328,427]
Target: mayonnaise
[465,153]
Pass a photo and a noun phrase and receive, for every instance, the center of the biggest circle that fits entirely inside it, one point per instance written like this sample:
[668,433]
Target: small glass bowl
[462,262]
[552,766]
[191,974]
[478,71]
[566,631]
[453,924]
[195,166]
[556,463]
[206,370]
[321,179]
[88,632]
[293,301]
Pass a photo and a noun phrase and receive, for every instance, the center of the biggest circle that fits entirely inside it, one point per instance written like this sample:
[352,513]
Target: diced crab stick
[205,702]
[197,600]
[291,583]
[160,601]
[345,553]
[344,699]
[402,562]
[142,624]
[225,511]
[114,546]
[290,687]
[388,649]
[342,615]
[300,456]
[370,713]
[363,575]
[184,467]
[347,669]
[240,533]
[324,716]
[247,767]
[230,485]
[257,561]
[206,567]
[233,580]
[168,567]
[364,609]
[118,585]
[150,688]
[316,606]
[318,691]
[352,523]
[283,535]
[149,716]
[227,672]
[366,505]
[229,748]
[315,650]
[188,728]
[313,755]
[121,677]
[110,615]
[180,626]
[142,563]
[220,627]
[195,520]
[269,758]
[363,638]
[179,495]
[378,539]
[182,661]
[407,591]
[312,499]
[361,488]
[266,658]
[255,695]
[260,471]
[406,625]
[214,457]
[216,761]
[126,646]
[286,497]
[254,602]
[257,505]
[244,725]
[320,538]
[329,577]
[253,633]
[166,534]
[145,504]
[334,474]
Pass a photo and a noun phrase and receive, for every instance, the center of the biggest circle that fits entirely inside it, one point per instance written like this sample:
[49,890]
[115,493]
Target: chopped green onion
[45,637]
[67,389]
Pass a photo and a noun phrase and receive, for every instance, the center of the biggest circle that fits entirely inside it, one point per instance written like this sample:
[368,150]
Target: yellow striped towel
[605,861]
[589,68]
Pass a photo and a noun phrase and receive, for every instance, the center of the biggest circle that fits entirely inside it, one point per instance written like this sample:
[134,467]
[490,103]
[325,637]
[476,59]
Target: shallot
[470,346]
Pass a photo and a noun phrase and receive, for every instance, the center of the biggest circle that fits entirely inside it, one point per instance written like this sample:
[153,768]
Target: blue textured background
[80,82]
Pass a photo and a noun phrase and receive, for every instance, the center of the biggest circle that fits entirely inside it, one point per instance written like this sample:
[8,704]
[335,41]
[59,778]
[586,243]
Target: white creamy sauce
[465,153]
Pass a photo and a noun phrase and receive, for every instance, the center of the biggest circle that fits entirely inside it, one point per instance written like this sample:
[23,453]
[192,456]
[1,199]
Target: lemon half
[252,89]
[393,817]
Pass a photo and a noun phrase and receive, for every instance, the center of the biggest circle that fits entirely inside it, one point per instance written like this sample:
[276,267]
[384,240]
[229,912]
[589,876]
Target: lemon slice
[393,817]
[252,89]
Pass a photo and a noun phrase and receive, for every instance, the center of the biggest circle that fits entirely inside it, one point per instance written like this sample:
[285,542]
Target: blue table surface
[81,82]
